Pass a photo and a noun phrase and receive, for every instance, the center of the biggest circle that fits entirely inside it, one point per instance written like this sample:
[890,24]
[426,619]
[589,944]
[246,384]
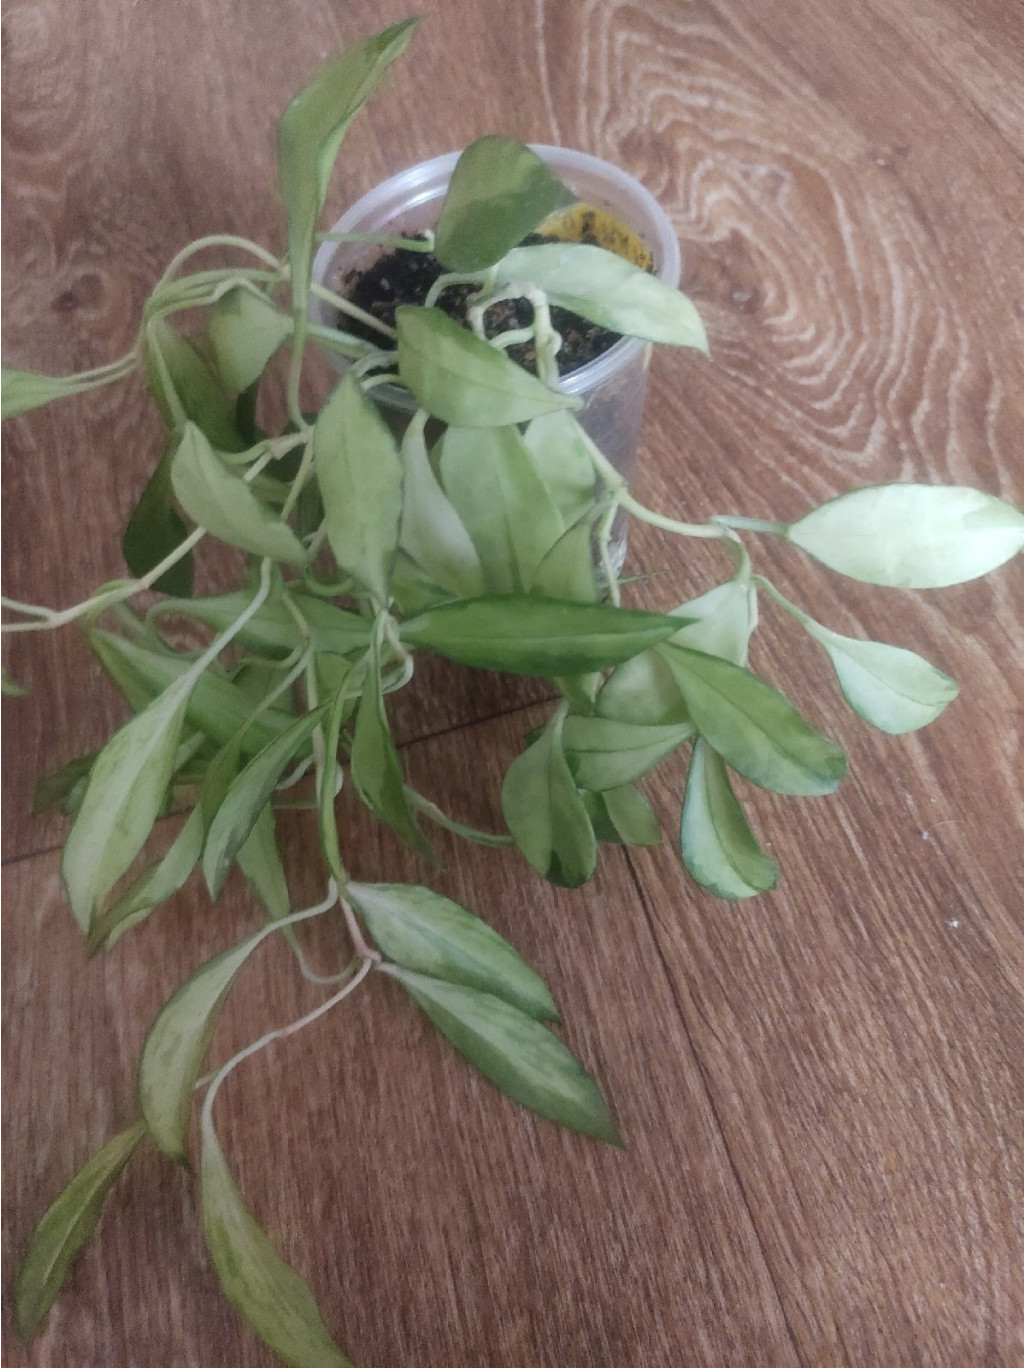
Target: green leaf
[257,1282]
[499,192]
[376,768]
[560,454]
[310,131]
[544,811]
[489,476]
[719,848]
[122,801]
[892,688]
[62,789]
[216,706]
[753,727]
[245,330]
[248,796]
[606,289]
[518,1055]
[580,690]
[159,881]
[177,1043]
[433,534]
[341,708]
[194,389]
[65,1229]
[605,754]
[216,498]
[138,686]
[332,672]
[360,476]
[535,635]
[272,629]
[721,621]
[162,878]
[911,536]
[423,931]
[23,391]
[622,816]
[567,570]
[464,381]
[643,690]
[412,588]
[245,415]
[259,859]
[156,529]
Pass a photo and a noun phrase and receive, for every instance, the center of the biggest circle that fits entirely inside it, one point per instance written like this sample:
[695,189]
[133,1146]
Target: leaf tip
[28,1316]
[608,1133]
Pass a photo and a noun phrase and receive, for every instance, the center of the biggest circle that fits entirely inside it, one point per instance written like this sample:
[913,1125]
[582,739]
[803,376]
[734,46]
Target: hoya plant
[479,528]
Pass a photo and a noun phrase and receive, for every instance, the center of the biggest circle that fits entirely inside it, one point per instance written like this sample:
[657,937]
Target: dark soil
[406,277]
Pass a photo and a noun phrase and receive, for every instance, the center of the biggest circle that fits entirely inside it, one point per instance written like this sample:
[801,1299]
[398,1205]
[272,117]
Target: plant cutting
[479,529]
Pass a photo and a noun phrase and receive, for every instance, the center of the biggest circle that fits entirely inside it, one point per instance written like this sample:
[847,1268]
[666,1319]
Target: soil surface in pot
[406,277]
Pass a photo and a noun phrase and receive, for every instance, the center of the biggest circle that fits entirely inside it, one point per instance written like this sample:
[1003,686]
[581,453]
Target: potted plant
[607,372]
[484,533]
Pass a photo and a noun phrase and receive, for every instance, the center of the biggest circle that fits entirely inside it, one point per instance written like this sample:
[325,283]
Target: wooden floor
[821,1090]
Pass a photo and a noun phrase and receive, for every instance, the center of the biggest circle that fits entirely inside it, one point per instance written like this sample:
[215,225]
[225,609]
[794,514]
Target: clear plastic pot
[613,387]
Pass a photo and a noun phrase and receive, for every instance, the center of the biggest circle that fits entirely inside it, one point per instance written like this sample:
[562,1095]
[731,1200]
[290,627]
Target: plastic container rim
[421,180]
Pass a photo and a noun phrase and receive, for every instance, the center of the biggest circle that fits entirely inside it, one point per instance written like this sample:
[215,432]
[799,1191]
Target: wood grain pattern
[438,1222]
[821,1090]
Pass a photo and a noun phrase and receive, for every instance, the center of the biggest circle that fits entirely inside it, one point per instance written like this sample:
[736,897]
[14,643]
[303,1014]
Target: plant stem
[125,589]
[217,240]
[312,691]
[390,633]
[299,331]
[365,953]
[619,490]
[444,282]
[338,341]
[775,529]
[797,613]
[319,909]
[346,306]
[548,340]
[228,635]
[512,338]
[282,686]
[97,376]
[204,287]
[604,534]
[380,240]
[170,392]
[369,382]
[322,588]
[151,576]
[280,1034]
[431,810]
[51,618]
[371,361]
[304,465]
